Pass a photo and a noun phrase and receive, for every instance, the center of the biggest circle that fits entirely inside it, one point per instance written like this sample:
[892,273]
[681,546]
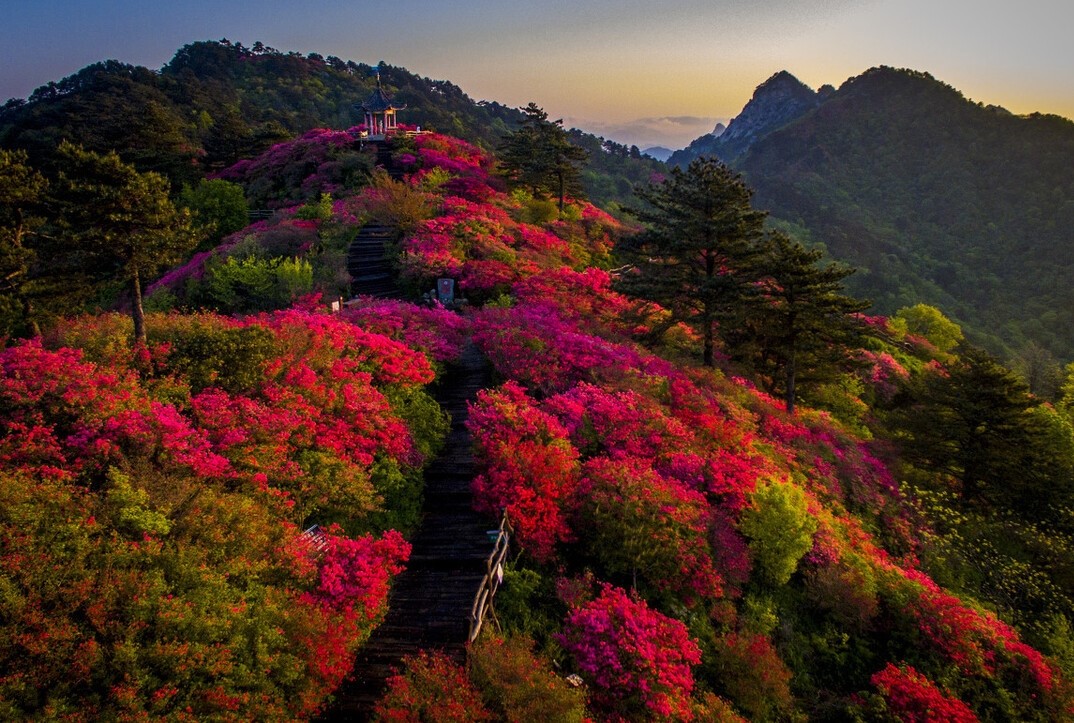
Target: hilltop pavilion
[379,111]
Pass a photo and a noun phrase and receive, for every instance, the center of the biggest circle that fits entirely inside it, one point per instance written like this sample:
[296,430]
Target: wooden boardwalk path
[430,601]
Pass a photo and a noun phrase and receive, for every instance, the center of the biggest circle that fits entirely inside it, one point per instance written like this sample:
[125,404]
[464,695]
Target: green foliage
[115,224]
[779,528]
[129,508]
[801,326]
[978,424]
[520,687]
[22,191]
[427,422]
[398,204]
[319,210]
[527,605]
[929,322]
[540,157]
[1066,391]
[211,353]
[254,284]
[217,205]
[696,256]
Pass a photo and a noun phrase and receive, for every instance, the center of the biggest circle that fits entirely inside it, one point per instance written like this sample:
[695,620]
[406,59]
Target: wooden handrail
[492,579]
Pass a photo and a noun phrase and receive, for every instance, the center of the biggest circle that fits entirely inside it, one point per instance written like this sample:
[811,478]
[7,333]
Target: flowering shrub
[520,686]
[637,661]
[753,674]
[618,424]
[529,468]
[532,345]
[913,698]
[168,481]
[480,246]
[467,167]
[319,161]
[638,523]
[430,688]
[437,332]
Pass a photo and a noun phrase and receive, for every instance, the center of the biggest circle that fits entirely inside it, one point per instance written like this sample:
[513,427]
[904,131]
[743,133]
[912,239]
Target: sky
[640,72]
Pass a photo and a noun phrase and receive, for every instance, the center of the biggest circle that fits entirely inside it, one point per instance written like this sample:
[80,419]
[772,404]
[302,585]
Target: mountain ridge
[935,198]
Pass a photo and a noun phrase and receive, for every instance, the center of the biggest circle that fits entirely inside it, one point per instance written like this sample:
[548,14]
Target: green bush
[779,528]
[218,206]
[253,284]
[210,352]
[521,687]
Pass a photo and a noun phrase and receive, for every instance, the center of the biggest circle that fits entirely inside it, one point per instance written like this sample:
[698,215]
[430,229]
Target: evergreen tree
[801,324]
[539,156]
[21,197]
[116,224]
[979,424]
[697,256]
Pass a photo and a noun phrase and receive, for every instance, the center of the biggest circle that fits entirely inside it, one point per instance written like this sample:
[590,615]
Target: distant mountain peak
[775,103]
[660,153]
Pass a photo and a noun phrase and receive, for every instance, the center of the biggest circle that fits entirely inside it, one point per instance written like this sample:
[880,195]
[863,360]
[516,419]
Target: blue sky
[640,72]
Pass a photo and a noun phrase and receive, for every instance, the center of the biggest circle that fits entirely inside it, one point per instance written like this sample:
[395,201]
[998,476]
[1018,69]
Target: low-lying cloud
[672,132]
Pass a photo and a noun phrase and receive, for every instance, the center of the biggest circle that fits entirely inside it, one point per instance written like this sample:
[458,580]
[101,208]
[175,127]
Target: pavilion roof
[379,101]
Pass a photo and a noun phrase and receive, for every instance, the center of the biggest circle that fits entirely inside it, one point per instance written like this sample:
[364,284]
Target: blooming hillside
[685,546]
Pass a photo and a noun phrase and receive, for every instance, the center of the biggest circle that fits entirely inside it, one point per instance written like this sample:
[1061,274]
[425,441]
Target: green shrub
[779,528]
[210,352]
[519,686]
[253,284]
[319,210]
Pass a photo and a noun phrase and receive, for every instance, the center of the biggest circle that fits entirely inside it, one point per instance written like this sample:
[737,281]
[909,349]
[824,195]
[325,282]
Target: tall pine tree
[697,256]
[540,157]
[116,224]
[22,192]
[800,325]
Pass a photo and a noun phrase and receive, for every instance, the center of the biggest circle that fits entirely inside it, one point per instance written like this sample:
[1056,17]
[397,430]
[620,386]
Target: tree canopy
[116,223]
[697,254]
[539,156]
[802,325]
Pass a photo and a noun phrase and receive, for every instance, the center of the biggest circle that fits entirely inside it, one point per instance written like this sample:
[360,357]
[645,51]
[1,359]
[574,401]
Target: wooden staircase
[430,602]
[368,263]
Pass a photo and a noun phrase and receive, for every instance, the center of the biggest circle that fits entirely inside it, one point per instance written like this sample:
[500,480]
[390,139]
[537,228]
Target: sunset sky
[639,72]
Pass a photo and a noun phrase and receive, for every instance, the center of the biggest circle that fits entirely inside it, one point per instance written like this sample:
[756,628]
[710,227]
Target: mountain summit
[775,103]
[933,197]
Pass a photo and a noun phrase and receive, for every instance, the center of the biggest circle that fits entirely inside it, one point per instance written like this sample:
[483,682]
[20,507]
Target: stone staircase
[368,263]
[430,602]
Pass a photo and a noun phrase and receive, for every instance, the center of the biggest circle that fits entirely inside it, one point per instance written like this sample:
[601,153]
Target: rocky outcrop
[778,101]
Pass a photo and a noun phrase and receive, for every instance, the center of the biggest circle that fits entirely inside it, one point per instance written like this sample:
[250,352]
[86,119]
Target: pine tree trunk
[137,312]
[789,395]
[28,312]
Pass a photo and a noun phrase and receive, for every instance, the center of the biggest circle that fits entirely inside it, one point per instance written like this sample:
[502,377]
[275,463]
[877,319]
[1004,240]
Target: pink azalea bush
[913,698]
[638,662]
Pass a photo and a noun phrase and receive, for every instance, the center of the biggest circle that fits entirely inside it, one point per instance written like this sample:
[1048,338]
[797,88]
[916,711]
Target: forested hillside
[729,493]
[685,543]
[935,199]
[217,102]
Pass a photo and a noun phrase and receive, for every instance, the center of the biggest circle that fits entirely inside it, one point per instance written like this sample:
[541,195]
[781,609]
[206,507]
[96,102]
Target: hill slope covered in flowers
[685,546]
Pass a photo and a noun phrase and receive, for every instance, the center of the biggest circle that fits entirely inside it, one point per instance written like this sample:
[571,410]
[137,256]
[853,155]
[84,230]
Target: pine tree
[978,423]
[22,192]
[539,156]
[116,223]
[698,253]
[800,325]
